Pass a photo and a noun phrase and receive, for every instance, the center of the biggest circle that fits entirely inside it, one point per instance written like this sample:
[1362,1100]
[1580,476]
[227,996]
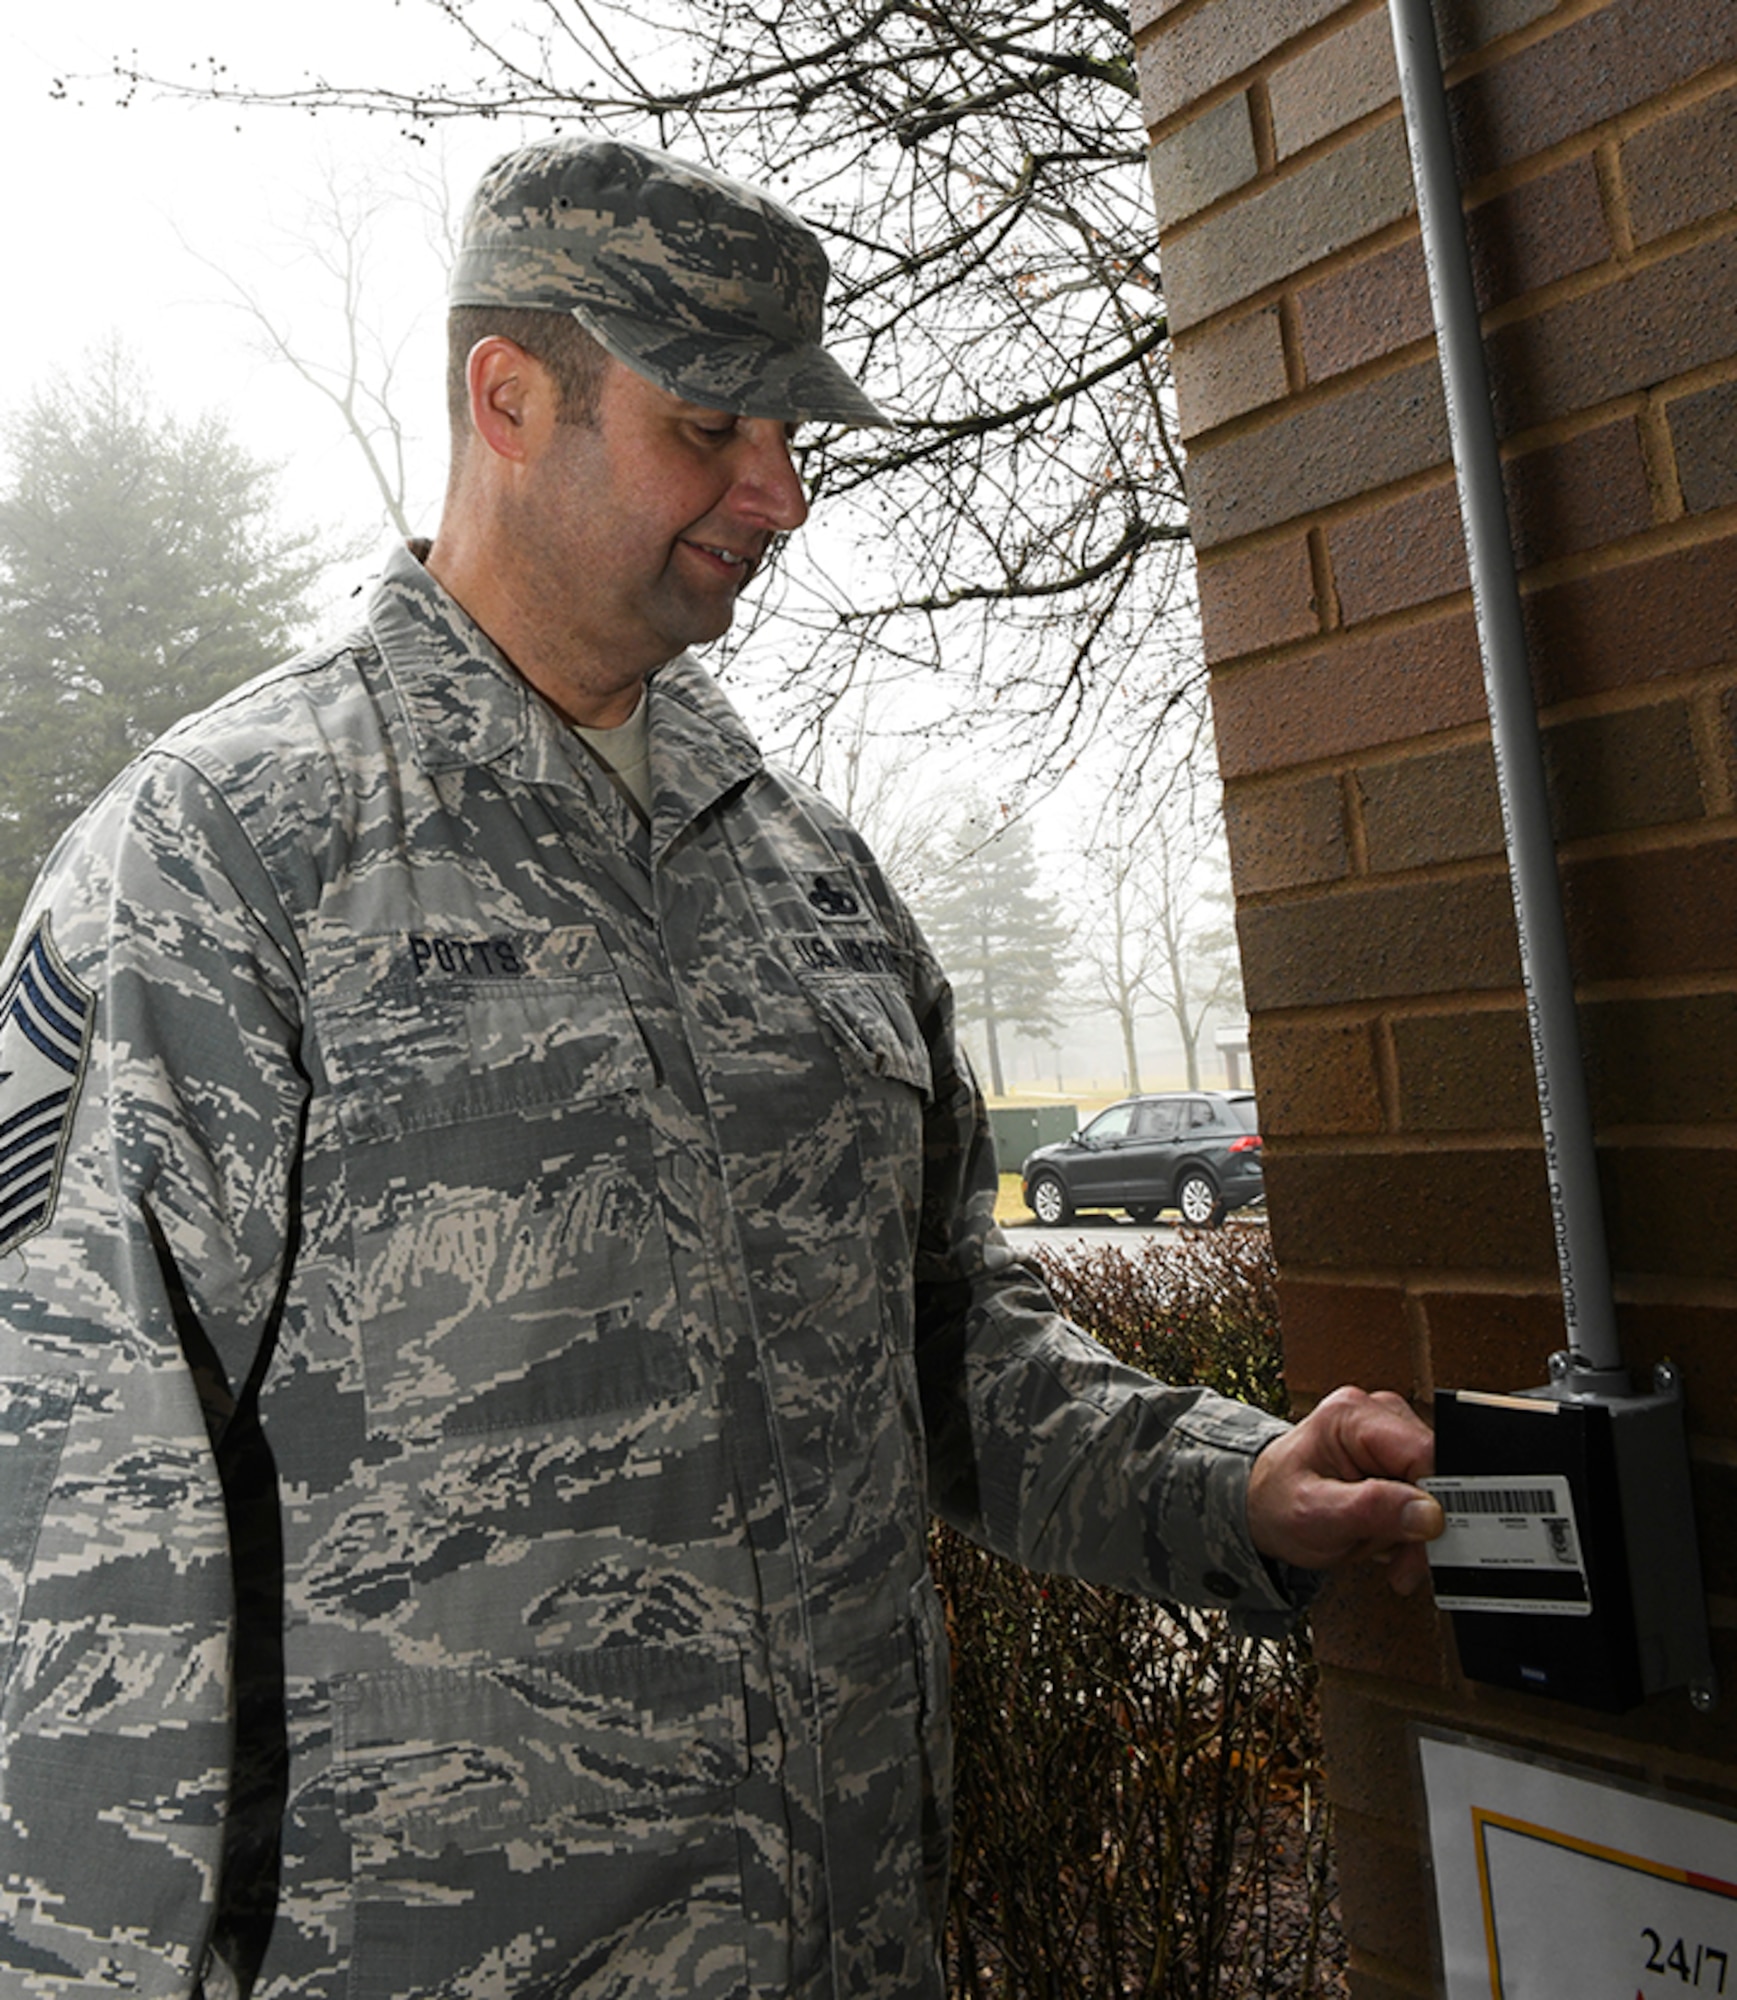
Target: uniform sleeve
[1042,1445]
[149,1039]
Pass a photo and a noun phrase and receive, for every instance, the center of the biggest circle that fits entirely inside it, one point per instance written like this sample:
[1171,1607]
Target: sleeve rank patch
[45,1030]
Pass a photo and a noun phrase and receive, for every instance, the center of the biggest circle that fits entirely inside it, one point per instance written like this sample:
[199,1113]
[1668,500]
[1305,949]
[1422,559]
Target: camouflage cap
[706,287]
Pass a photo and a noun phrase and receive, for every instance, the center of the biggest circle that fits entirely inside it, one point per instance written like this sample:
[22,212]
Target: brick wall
[1598,145]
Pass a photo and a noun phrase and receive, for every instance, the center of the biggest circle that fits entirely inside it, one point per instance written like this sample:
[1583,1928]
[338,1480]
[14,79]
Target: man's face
[648,523]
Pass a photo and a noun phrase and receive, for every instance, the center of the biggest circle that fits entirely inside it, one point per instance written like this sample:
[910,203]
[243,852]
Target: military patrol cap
[703,285]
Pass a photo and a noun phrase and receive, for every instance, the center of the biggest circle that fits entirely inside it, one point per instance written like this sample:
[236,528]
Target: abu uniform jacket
[491,1295]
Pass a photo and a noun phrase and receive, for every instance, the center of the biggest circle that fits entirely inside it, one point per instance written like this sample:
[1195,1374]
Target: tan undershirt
[625,753]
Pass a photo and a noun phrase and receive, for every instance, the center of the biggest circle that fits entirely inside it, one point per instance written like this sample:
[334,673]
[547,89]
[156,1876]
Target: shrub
[1137,1797]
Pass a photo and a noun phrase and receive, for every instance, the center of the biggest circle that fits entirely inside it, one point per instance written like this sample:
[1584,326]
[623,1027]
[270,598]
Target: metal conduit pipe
[1593,1363]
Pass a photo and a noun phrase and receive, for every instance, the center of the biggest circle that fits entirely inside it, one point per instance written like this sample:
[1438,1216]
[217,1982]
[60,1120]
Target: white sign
[1551,1886]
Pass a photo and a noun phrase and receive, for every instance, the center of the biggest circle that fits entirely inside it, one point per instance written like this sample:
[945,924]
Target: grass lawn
[1010,1203]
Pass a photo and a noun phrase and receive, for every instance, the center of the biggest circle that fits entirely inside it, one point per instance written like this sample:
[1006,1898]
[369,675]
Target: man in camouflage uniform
[498,1261]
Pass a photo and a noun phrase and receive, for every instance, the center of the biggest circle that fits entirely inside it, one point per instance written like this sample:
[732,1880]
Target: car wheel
[1049,1201]
[1197,1199]
[1143,1211]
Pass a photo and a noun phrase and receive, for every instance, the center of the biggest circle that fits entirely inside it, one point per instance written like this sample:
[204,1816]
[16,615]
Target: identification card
[1511,1544]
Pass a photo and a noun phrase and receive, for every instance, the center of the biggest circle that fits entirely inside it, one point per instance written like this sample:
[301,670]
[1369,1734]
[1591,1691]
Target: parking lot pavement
[1088,1232]
[1097,1232]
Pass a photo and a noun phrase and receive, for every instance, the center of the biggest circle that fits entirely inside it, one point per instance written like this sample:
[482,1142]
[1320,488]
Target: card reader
[1569,1562]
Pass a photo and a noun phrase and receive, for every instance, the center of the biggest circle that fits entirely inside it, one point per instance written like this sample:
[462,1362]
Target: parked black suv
[1197,1151]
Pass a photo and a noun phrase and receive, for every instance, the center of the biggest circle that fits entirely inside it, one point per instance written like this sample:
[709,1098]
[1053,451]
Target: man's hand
[1337,1488]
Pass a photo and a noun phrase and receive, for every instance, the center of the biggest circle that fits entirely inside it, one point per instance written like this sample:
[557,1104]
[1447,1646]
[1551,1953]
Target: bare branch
[979,171]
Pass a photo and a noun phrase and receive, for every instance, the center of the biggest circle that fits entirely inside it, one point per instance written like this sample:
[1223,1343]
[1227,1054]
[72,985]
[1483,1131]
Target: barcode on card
[1494,1500]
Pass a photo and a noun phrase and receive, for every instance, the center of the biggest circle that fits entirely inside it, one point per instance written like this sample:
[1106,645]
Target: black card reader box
[1569,1565]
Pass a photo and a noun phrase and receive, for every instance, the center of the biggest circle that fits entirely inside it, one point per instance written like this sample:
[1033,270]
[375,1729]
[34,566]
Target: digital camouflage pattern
[711,289]
[518,1282]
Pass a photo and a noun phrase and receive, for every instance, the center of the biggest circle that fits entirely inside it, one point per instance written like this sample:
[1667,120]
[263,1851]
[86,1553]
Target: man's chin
[701,624]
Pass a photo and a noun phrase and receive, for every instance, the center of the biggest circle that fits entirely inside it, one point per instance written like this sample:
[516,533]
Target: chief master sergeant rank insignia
[45,1024]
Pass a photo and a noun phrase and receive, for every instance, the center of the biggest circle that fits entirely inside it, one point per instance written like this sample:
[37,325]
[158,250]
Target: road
[1095,1232]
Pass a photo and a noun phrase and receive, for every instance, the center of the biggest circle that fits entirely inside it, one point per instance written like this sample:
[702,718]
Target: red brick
[1612,773]
[1364,310]
[1316,1077]
[1482,1209]
[1658,915]
[1521,240]
[1359,1625]
[1683,168]
[1531,235]
[1282,226]
[1563,498]
[1226,369]
[1580,494]
[1668,1209]
[1261,598]
[1469,25]
[1367,1981]
[1728,734]
[1700,1340]
[1202,161]
[1142,13]
[1715,1496]
[1372,1765]
[1384,1892]
[1333,84]
[1344,1333]
[1187,60]
[1591,70]
[1387,941]
[1358,693]
[1284,835]
[1441,806]
[1668,614]
[1303,460]
[1402,553]
[1645,327]
[1494,1341]
[1669,1059]
[1704,437]
[1466,1072]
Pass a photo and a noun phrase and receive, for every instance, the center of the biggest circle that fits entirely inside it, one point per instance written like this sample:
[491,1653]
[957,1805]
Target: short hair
[574,358]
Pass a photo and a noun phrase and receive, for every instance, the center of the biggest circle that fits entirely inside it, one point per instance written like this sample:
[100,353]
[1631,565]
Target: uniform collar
[465,705]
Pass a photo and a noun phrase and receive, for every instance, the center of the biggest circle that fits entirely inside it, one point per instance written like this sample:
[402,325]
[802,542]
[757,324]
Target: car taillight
[1250,1144]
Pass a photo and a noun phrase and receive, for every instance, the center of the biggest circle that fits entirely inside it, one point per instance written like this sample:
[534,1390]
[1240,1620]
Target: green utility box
[1019,1128]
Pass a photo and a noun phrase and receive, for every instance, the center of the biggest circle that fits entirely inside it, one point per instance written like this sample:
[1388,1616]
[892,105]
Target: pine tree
[999,934]
[141,575]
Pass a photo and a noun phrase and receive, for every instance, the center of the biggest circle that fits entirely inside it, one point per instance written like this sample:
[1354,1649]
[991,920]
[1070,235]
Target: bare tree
[980,171]
[1116,948]
[354,360]
[1194,969]
[1155,931]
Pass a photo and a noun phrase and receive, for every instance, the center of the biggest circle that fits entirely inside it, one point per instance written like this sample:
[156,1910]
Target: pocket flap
[870,1018]
[439,1752]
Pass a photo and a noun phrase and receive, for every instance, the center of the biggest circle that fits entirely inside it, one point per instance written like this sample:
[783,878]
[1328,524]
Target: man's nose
[767,484]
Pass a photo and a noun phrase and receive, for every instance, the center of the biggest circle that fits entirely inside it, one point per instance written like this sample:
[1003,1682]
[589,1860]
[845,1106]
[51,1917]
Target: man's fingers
[1375,1436]
[1422,1519]
[1408,1569]
[1339,1487]
[1365,1517]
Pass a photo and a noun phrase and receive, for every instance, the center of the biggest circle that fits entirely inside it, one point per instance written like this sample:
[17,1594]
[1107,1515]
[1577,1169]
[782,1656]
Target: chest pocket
[867,1017]
[512,1268]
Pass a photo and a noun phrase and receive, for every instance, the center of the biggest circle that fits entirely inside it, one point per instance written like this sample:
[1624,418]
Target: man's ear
[511,397]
